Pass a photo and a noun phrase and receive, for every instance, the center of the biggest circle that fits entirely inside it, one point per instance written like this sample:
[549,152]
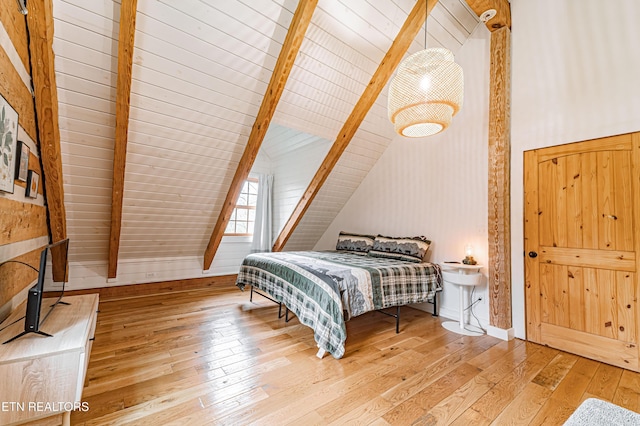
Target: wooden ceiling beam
[126,41]
[40,26]
[286,59]
[502,8]
[387,66]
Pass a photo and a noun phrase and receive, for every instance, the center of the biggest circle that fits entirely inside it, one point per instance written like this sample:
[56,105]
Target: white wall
[92,274]
[292,173]
[575,70]
[575,67]
[436,186]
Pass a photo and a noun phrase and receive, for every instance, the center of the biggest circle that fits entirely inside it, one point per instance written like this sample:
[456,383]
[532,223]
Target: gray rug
[594,411]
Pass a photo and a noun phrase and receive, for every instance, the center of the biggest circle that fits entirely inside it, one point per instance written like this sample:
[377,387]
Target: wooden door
[581,237]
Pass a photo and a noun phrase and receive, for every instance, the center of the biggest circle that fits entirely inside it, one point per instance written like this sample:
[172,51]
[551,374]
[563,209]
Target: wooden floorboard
[209,356]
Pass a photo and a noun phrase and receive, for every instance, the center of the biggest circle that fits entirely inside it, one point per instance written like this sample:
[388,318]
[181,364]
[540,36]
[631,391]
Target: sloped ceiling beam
[290,48]
[391,60]
[126,41]
[40,26]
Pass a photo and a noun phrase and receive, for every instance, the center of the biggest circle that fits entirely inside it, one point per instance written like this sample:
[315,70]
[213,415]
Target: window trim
[246,207]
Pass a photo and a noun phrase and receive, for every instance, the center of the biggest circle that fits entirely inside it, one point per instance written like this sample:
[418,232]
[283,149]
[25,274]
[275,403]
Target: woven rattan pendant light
[426,92]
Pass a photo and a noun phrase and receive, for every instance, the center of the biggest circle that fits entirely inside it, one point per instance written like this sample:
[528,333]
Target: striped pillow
[358,243]
[412,249]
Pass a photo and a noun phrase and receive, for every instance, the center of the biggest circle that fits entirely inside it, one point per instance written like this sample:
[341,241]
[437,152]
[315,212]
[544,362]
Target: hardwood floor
[211,357]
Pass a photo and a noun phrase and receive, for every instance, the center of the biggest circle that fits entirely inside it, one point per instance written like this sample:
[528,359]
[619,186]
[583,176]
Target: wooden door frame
[531,265]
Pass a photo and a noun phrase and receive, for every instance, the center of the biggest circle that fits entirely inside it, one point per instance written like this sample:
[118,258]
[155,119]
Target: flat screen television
[32,317]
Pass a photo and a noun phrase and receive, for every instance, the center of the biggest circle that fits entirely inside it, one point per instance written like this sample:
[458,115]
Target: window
[244,214]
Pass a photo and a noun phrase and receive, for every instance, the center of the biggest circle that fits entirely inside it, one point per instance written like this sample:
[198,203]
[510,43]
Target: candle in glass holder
[468,258]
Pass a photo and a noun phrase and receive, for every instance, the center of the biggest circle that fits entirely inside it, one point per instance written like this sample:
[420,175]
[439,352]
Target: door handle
[533,254]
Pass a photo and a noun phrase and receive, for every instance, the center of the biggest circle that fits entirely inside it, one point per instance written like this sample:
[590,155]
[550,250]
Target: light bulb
[468,250]
[425,83]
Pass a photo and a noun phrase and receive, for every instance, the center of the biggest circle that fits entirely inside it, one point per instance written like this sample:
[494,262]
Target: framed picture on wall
[33,180]
[22,162]
[8,139]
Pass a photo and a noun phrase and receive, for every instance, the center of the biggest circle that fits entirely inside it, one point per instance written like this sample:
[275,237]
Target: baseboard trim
[501,333]
[224,282]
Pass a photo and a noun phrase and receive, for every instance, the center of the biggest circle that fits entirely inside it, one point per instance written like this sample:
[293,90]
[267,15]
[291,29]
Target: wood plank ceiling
[200,71]
[279,76]
[393,57]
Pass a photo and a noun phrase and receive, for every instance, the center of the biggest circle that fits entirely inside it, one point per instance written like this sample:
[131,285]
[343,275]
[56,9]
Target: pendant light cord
[426,16]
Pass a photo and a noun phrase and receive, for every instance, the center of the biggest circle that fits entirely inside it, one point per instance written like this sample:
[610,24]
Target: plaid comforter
[324,289]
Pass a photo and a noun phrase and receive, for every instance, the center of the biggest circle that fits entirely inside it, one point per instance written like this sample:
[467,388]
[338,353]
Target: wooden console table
[44,376]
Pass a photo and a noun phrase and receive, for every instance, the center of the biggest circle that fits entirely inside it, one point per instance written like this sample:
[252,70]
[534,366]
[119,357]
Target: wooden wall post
[499,180]
[499,160]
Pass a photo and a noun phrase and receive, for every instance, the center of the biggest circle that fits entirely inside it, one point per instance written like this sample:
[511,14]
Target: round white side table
[465,277]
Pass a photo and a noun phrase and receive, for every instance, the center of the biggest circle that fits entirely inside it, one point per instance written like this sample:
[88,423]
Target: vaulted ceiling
[200,72]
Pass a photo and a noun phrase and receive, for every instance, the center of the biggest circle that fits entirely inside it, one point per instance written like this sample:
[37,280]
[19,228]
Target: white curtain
[262,231]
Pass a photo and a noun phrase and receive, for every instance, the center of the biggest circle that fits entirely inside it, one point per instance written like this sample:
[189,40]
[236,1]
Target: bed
[326,288]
